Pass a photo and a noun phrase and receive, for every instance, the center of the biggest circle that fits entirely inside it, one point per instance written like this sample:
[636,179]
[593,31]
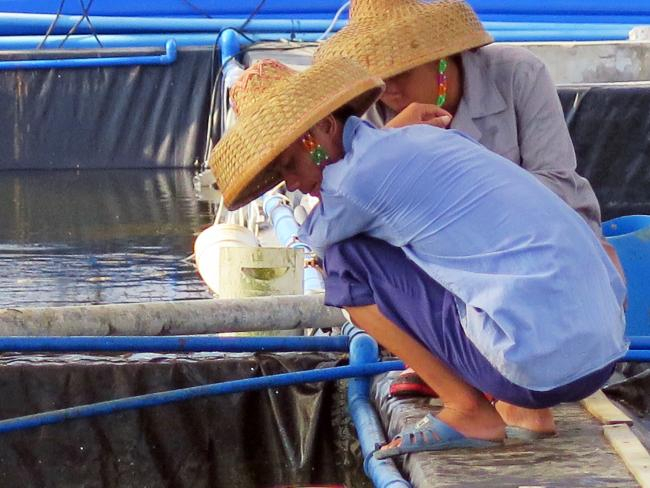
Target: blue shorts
[366,271]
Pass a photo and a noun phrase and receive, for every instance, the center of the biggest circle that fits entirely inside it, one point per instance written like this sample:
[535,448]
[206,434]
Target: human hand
[421,113]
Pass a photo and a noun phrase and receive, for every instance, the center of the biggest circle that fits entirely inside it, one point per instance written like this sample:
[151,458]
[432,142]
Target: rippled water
[104,236]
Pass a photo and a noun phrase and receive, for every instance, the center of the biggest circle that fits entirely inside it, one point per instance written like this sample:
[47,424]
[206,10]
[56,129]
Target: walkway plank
[579,456]
[604,410]
[632,452]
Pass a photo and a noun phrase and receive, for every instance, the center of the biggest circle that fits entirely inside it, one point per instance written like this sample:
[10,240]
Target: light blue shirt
[510,105]
[535,291]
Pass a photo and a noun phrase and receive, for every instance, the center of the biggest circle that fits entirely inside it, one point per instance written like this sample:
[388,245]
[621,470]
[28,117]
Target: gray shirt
[510,105]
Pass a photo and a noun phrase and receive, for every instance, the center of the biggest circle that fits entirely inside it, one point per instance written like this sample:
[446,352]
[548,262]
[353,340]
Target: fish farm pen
[150,337]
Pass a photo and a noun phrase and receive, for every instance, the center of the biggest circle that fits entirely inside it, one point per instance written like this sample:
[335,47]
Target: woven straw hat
[275,106]
[389,37]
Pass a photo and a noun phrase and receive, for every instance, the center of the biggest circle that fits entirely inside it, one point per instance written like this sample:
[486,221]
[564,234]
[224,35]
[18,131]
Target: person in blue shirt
[442,68]
[460,263]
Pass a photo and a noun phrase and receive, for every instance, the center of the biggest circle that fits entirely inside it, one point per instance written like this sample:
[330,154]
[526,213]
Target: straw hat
[276,106]
[389,37]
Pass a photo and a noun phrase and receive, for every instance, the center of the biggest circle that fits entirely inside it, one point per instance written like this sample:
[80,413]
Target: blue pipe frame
[383,473]
[183,394]
[501,31]
[364,361]
[37,24]
[639,345]
[168,57]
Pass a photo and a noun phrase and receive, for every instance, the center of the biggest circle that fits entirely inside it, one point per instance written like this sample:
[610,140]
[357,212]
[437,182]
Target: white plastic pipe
[173,318]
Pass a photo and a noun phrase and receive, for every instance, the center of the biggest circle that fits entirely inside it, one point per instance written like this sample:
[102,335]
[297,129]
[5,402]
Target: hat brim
[242,160]
[399,44]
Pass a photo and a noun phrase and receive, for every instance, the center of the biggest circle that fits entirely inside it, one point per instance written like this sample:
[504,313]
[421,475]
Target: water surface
[98,236]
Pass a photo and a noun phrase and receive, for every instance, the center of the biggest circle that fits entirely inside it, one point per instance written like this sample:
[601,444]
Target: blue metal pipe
[562,7]
[59,63]
[134,40]
[167,397]
[543,35]
[282,219]
[383,473]
[640,19]
[208,39]
[37,24]
[564,35]
[555,26]
[639,342]
[637,356]
[173,344]
[229,47]
[313,281]
[170,8]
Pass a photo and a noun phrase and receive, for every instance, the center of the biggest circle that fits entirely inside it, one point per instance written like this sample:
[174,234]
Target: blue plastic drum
[630,235]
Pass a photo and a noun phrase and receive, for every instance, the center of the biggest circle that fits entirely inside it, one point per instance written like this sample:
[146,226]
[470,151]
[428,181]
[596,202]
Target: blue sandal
[432,434]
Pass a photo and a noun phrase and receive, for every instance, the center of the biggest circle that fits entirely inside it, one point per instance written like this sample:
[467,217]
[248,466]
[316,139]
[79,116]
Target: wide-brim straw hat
[276,106]
[390,37]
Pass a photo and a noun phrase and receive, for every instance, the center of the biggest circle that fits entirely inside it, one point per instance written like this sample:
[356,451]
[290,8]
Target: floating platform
[595,447]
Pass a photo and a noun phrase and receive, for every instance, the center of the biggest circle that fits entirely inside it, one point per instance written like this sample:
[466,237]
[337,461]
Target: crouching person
[459,262]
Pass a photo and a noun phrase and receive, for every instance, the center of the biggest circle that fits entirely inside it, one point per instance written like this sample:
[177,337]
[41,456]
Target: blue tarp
[202,8]
[507,20]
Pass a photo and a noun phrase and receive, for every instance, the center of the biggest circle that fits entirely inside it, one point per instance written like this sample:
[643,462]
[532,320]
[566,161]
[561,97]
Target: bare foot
[481,422]
[536,420]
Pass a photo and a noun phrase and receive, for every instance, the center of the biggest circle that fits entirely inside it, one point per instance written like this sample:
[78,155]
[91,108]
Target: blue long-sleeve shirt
[535,291]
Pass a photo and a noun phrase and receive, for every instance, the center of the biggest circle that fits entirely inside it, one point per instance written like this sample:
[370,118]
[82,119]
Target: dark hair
[344,113]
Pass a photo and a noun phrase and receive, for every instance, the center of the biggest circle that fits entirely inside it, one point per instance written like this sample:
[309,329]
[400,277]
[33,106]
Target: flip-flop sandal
[410,384]
[432,434]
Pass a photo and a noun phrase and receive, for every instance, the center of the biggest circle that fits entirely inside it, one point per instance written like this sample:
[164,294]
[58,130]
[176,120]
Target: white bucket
[262,271]
[207,250]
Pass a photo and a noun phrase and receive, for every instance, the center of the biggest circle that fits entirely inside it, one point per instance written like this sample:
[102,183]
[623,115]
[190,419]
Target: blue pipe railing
[592,32]
[639,345]
[167,397]
[637,356]
[37,24]
[230,45]
[282,218]
[129,60]
[383,473]
[166,8]
[86,41]
[173,344]
[639,342]
[585,35]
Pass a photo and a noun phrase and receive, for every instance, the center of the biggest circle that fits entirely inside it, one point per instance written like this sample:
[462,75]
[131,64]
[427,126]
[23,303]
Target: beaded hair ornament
[442,82]
[315,150]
